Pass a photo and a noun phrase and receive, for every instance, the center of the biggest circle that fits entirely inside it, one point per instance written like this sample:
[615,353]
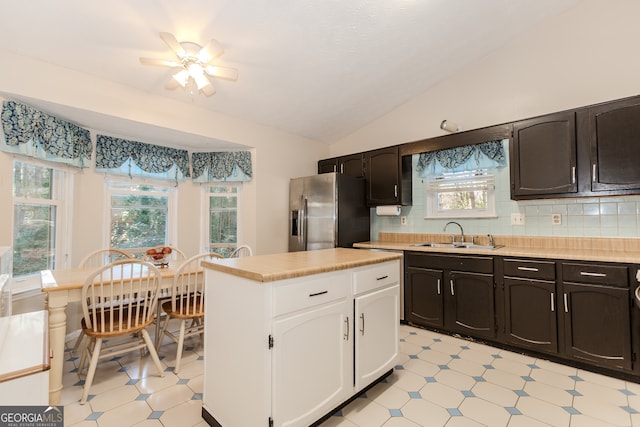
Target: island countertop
[269,268]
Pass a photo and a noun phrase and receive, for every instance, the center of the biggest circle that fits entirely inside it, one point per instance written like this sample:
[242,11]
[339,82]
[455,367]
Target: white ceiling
[316,68]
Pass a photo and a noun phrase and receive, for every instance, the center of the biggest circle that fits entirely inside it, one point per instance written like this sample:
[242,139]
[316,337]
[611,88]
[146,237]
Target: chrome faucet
[453,237]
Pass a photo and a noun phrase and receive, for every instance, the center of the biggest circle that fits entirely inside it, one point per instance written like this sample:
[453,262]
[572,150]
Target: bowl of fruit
[159,256]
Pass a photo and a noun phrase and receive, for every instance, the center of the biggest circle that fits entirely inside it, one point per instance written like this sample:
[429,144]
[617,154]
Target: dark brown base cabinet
[455,293]
[580,313]
[597,324]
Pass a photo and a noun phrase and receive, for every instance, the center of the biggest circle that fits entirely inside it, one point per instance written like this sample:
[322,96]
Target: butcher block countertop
[289,265]
[623,250]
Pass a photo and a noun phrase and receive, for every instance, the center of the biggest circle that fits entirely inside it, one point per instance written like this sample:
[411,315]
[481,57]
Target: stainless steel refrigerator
[326,211]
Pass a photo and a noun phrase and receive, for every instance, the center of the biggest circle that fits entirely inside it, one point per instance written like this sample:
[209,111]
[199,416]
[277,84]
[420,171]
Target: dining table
[63,286]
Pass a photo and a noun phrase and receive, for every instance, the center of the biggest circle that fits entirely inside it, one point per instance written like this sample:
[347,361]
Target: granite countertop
[269,268]
[606,250]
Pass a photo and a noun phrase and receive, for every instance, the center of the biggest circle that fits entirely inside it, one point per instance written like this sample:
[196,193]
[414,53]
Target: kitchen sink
[457,245]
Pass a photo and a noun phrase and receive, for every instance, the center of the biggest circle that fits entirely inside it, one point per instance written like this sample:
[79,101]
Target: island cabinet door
[312,362]
[376,334]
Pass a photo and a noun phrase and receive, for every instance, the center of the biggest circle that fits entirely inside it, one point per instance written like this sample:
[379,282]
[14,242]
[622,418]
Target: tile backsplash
[617,216]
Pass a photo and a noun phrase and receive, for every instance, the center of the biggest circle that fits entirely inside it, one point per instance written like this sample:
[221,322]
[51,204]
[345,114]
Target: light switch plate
[517,219]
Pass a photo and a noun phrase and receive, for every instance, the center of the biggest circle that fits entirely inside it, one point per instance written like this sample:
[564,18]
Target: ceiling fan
[193,65]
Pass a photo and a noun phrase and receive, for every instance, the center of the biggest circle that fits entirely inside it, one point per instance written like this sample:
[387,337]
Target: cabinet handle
[335,169]
[528,269]
[346,331]
[341,167]
[553,304]
[395,191]
[318,293]
[586,273]
[382,277]
[362,323]
[566,304]
[573,174]
[593,173]
[452,289]
[439,287]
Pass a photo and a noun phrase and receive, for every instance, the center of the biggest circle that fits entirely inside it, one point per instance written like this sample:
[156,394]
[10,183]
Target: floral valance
[488,155]
[33,133]
[221,166]
[123,157]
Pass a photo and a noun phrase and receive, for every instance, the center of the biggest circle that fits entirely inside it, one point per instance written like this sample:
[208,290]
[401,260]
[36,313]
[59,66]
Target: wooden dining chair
[97,259]
[186,304]
[103,257]
[118,301]
[240,251]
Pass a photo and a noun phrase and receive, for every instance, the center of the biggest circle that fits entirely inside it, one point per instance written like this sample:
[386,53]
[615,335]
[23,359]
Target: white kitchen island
[291,337]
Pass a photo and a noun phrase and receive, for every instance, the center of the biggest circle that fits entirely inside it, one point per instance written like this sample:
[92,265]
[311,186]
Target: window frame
[431,199]
[172,208]
[62,200]
[205,203]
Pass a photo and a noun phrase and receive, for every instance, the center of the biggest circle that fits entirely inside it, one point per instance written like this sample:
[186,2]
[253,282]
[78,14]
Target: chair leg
[92,370]
[152,351]
[164,330]
[183,324]
[84,348]
[78,341]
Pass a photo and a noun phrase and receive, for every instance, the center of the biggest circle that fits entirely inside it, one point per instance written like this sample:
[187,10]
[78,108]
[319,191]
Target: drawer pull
[553,304]
[318,293]
[586,273]
[382,278]
[527,268]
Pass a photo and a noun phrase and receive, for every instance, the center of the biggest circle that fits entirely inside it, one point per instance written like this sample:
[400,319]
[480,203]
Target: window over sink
[461,195]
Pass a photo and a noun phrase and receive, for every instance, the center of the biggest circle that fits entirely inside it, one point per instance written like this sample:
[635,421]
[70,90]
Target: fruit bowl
[158,256]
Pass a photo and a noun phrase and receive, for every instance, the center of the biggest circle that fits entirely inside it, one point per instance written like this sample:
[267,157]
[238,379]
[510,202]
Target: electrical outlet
[517,219]
[403,220]
[556,219]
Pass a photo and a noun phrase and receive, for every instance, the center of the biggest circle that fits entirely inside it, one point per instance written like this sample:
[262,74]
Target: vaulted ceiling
[316,68]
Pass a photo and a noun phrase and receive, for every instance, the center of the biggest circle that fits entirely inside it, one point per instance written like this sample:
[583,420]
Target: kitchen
[491,92]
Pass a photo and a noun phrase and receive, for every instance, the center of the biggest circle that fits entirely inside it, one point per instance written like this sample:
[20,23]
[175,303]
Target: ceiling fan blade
[160,62]
[210,51]
[173,44]
[208,89]
[172,84]
[222,72]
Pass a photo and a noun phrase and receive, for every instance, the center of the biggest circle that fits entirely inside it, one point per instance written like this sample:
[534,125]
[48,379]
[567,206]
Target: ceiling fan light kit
[194,64]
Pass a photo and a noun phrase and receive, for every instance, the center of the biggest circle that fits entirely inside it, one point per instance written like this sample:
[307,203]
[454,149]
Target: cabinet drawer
[375,276]
[602,274]
[309,293]
[473,263]
[543,270]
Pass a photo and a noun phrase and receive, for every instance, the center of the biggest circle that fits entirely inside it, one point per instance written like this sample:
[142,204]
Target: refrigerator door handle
[303,223]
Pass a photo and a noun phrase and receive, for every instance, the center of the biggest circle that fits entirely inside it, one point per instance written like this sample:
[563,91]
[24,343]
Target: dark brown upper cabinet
[543,156]
[614,146]
[388,177]
[352,165]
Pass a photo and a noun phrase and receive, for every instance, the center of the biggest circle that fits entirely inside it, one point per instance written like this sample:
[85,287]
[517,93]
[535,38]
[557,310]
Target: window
[142,215]
[461,195]
[39,212]
[222,218]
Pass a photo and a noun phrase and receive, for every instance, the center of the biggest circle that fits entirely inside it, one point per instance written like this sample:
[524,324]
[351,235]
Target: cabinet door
[596,324]
[615,145]
[383,183]
[424,297]
[376,334]
[352,165]
[312,363]
[469,305]
[327,165]
[543,156]
[530,313]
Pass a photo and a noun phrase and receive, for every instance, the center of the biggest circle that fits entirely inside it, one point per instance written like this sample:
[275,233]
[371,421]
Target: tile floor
[439,381]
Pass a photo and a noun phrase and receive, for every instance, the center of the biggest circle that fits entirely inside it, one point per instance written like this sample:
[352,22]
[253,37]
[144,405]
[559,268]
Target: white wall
[585,56]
